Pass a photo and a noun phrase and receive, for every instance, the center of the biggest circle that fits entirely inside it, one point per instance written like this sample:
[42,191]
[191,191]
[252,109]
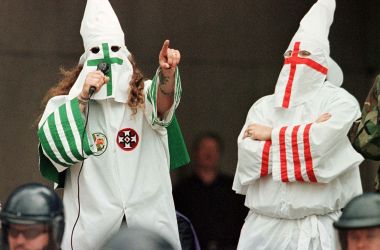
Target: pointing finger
[165,48]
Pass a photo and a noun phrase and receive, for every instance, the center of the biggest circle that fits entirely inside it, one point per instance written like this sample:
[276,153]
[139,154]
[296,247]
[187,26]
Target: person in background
[359,224]
[206,197]
[32,219]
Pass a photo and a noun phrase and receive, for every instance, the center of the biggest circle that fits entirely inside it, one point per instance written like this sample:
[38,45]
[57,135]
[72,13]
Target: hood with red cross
[307,63]
[103,40]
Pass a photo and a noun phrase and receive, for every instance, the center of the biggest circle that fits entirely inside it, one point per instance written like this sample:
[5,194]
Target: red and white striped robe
[307,168]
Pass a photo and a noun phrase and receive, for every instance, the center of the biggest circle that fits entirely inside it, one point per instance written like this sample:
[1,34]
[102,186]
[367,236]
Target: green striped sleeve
[152,98]
[47,148]
[69,133]
[61,135]
[57,139]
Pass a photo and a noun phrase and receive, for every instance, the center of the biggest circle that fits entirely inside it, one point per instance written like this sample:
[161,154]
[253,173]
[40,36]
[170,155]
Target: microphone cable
[80,170]
[105,68]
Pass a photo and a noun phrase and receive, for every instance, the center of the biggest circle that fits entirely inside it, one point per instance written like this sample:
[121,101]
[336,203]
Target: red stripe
[296,157]
[307,153]
[265,158]
[289,84]
[307,61]
[284,169]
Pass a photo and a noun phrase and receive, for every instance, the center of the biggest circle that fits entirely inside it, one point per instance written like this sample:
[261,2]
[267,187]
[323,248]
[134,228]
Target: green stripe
[149,98]
[109,84]
[178,87]
[112,60]
[57,139]
[106,53]
[46,146]
[150,92]
[154,99]
[95,62]
[69,133]
[80,126]
[154,91]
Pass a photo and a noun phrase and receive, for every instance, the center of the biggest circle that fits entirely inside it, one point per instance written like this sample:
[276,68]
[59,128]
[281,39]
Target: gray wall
[231,55]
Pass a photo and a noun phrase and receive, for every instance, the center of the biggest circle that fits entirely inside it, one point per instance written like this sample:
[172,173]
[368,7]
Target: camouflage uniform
[365,133]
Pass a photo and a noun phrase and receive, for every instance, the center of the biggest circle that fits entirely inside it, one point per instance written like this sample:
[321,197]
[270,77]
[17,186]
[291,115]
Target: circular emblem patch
[100,142]
[127,139]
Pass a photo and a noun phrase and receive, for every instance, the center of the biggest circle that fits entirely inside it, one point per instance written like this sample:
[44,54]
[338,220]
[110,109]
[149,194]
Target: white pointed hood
[101,29]
[316,26]
[302,76]
[100,24]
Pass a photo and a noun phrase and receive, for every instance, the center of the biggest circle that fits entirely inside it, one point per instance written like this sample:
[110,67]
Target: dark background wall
[231,56]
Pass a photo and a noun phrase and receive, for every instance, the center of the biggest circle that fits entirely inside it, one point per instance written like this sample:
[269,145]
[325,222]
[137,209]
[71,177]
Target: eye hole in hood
[115,48]
[95,50]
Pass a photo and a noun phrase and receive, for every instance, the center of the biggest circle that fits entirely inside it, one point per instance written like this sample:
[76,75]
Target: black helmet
[34,204]
[137,238]
[362,211]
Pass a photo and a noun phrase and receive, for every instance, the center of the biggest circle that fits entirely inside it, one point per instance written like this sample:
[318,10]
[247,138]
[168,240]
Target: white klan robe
[126,166]
[296,183]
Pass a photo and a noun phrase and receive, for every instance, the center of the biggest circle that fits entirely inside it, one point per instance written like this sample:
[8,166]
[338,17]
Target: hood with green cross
[120,73]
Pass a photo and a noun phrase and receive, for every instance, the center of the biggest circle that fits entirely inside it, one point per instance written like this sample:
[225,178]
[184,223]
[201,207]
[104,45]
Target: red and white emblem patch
[127,139]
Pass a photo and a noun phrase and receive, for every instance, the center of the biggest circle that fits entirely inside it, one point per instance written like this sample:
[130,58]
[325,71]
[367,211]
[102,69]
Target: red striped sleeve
[296,157]
[265,158]
[307,153]
[284,169]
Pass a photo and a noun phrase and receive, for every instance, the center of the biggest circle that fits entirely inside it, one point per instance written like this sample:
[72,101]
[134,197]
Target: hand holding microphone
[104,68]
[94,81]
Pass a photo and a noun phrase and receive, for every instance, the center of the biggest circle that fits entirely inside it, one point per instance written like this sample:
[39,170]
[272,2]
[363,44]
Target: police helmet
[362,211]
[34,204]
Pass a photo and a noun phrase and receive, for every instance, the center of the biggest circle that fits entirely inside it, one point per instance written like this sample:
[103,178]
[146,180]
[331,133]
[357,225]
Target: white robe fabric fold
[311,233]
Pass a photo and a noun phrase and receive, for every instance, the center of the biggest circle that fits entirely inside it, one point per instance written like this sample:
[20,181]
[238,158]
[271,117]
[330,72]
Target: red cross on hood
[301,76]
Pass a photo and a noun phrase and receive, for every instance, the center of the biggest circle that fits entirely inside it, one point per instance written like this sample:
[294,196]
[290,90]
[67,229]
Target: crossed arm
[302,152]
[260,132]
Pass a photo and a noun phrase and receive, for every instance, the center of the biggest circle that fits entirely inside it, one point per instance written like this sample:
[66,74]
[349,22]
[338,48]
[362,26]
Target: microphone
[104,68]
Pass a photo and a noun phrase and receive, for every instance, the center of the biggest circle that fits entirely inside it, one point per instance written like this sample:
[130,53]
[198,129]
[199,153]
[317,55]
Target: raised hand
[168,59]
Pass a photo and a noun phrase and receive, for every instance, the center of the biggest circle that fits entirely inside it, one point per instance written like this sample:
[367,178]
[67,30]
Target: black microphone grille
[103,67]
